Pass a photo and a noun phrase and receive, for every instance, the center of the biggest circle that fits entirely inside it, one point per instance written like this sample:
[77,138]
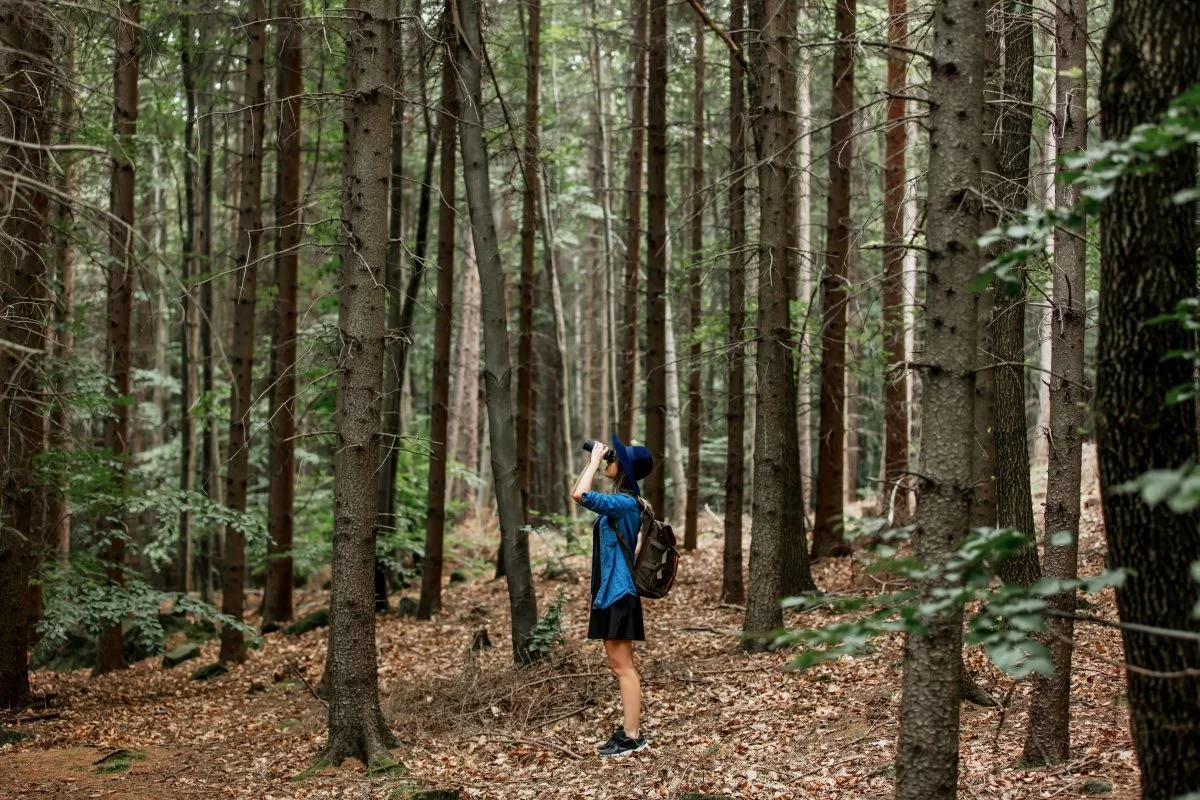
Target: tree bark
[1014,500]
[189,350]
[245,300]
[807,267]
[674,455]
[656,258]
[927,751]
[27,67]
[498,370]
[695,416]
[435,514]
[1048,737]
[356,725]
[777,504]
[633,222]
[1148,265]
[210,483]
[277,597]
[530,166]
[465,419]
[895,394]
[733,589]
[827,523]
[120,295]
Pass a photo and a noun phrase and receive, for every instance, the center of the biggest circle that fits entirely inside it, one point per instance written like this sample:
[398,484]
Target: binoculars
[588,444]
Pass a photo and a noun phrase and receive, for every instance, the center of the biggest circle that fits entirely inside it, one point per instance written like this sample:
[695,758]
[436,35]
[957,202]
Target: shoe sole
[637,749]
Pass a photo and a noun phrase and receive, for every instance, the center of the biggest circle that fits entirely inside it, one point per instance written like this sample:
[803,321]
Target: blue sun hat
[635,462]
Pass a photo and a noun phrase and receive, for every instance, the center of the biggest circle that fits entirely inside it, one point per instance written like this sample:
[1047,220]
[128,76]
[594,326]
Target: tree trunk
[656,258]
[695,415]
[894,500]
[1147,266]
[807,267]
[59,513]
[435,514]
[277,597]
[674,453]
[733,589]
[465,419]
[498,373]
[777,505]
[120,295]
[633,222]
[560,343]
[189,350]
[27,67]
[356,725]
[927,751]
[210,483]
[827,534]
[1048,738]
[245,300]
[530,166]
[1014,501]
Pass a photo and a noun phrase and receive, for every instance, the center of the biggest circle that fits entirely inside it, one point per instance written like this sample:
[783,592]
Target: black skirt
[621,620]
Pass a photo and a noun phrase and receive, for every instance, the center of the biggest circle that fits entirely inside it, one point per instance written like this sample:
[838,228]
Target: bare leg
[620,661]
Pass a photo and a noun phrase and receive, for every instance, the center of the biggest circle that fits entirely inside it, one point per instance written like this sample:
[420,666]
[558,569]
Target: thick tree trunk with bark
[733,588]
[530,167]
[120,293]
[356,725]
[277,598]
[927,751]
[633,223]
[435,511]
[27,67]
[1148,265]
[895,393]
[1048,737]
[1014,501]
[245,301]
[498,372]
[656,257]
[777,506]
[827,534]
[695,417]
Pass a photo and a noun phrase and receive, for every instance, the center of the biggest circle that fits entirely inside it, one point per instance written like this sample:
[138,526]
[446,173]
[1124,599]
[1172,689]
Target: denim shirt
[617,512]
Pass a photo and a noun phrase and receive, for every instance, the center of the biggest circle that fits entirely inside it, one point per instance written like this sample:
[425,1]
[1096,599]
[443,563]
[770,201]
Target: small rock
[209,671]
[408,607]
[269,627]
[481,640]
[1096,787]
[185,652]
[256,688]
[458,576]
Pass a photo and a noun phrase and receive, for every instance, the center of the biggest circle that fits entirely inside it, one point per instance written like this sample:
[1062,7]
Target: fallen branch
[550,745]
[295,671]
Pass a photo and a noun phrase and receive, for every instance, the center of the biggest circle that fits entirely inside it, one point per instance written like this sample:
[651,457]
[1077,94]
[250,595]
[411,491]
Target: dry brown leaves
[719,721]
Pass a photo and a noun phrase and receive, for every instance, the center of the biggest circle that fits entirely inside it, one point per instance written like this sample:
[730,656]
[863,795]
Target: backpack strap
[625,552]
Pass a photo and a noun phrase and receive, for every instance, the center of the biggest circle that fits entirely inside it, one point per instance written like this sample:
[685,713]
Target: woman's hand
[584,484]
[598,452]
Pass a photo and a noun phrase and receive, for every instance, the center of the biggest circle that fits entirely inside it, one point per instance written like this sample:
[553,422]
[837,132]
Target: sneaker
[618,733]
[622,746]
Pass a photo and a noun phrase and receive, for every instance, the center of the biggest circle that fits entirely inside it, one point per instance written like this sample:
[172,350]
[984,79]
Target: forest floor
[718,721]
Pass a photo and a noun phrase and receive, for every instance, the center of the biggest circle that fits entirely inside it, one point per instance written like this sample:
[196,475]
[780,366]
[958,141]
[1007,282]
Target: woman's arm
[584,484]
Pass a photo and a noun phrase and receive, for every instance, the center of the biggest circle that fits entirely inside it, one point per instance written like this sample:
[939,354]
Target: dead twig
[543,744]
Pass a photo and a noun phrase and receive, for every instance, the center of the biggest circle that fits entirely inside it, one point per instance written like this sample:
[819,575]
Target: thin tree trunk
[827,539]
[498,374]
[120,294]
[356,725]
[656,257]
[435,513]
[560,343]
[245,300]
[733,588]
[674,454]
[466,381]
[1014,501]
[27,67]
[210,482]
[530,166]
[59,512]
[777,537]
[927,751]
[633,221]
[1048,737]
[807,267]
[695,416]
[277,597]
[1147,267]
[895,393]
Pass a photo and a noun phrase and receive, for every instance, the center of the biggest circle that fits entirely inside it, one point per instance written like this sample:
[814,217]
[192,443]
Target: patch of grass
[287,724]
[385,765]
[1096,787]
[118,761]
[417,793]
[13,735]
[319,763]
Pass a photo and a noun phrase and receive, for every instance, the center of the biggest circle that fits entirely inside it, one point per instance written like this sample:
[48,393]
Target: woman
[616,615]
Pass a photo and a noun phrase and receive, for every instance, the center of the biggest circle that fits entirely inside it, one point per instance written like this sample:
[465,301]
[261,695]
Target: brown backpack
[657,559]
